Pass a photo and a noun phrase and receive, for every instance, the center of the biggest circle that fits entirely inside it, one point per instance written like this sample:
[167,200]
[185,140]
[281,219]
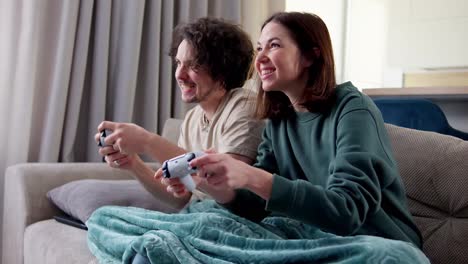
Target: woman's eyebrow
[270,40]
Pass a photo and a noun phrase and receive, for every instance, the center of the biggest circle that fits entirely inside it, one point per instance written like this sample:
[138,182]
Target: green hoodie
[335,171]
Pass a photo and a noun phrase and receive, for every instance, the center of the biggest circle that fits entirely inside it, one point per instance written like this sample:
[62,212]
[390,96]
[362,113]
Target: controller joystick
[179,167]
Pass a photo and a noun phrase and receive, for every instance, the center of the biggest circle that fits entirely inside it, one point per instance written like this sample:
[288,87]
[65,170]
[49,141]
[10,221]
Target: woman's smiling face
[279,62]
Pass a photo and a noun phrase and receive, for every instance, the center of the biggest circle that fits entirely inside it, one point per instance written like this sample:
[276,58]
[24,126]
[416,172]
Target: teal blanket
[207,233]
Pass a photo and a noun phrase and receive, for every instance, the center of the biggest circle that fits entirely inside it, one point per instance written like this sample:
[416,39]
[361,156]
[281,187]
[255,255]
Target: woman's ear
[316,52]
[306,62]
[309,59]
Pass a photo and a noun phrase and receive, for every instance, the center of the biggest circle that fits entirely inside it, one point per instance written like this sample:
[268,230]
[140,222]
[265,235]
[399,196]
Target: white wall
[254,13]
[333,13]
[376,41]
[366,45]
[358,33]
[428,34]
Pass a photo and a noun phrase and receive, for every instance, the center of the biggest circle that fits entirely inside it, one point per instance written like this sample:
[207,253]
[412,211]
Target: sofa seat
[64,246]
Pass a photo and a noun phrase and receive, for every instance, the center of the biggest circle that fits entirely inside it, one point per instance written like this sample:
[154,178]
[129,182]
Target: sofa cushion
[80,198]
[66,245]
[434,169]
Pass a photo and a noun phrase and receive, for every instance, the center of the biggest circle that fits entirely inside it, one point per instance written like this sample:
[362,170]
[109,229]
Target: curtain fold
[77,100]
[67,65]
[64,74]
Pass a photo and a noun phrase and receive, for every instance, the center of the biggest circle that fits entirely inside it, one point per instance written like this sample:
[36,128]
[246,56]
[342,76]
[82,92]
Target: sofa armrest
[26,186]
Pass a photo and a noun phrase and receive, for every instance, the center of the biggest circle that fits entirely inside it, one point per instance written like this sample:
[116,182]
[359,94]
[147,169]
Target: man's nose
[181,73]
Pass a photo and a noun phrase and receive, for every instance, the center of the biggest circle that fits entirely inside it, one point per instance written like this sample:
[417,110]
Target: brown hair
[310,35]
[222,48]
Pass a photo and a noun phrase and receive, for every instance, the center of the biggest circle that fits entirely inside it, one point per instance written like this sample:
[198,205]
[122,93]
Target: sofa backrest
[434,170]
[171,129]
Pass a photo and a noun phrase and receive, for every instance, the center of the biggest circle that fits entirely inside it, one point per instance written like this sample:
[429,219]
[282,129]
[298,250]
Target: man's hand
[115,158]
[126,138]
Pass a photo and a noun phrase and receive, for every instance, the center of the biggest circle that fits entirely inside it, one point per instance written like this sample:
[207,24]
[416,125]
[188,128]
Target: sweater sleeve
[356,174]
[246,203]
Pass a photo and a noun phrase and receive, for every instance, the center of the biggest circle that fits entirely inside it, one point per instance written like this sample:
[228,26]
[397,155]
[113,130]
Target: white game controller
[179,167]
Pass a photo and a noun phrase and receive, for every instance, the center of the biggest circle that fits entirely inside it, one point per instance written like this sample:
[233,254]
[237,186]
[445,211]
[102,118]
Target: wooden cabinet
[422,92]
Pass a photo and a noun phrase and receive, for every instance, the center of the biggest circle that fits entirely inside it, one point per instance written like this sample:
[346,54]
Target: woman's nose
[261,56]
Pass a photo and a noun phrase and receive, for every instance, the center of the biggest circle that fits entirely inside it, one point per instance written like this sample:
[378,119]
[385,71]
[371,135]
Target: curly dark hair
[220,47]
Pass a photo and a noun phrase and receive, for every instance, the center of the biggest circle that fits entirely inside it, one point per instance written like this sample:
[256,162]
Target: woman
[325,158]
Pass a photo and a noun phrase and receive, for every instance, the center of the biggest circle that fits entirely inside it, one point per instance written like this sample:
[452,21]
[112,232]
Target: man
[213,60]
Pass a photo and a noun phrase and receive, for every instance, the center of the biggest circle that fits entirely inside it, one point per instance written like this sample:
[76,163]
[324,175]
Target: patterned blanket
[207,233]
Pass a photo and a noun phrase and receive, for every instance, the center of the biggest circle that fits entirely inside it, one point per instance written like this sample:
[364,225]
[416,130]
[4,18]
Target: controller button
[191,156]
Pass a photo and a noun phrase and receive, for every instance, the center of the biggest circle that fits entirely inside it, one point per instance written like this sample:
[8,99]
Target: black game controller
[102,137]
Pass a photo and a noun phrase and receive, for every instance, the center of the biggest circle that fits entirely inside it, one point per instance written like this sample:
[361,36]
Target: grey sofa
[434,168]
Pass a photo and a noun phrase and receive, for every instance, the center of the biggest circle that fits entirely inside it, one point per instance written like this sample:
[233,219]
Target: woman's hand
[222,170]
[175,186]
